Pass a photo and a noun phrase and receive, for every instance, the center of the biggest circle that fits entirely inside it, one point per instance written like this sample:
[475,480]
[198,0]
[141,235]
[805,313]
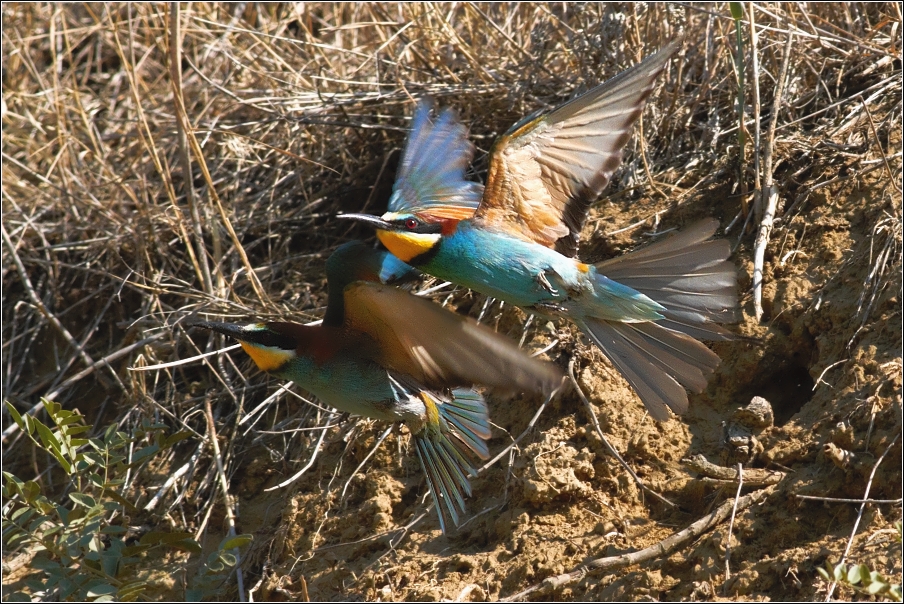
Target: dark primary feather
[440,348]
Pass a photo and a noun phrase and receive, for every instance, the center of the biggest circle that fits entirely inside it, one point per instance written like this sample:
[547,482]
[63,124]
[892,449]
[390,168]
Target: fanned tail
[658,362]
[455,429]
[690,277]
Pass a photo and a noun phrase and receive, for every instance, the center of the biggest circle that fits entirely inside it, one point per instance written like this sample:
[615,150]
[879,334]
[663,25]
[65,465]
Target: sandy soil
[305,120]
[559,500]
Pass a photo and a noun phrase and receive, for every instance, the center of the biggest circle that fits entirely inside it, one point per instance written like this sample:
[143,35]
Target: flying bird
[517,240]
[389,355]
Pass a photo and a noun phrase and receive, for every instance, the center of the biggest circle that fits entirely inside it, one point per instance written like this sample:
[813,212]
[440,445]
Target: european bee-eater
[643,309]
[386,354]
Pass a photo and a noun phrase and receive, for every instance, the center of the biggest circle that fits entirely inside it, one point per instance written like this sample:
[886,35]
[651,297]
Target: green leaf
[49,439]
[36,585]
[114,530]
[62,513]
[36,523]
[839,573]
[854,573]
[17,417]
[162,538]
[236,542]
[72,418]
[172,439]
[93,457]
[131,550]
[144,453]
[876,587]
[110,562]
[737,11]
[67,588]
[52,407]
[102,589]
[18,596]
[23,511]
[43,504]
[44,563]
[122,501]
[31,490]
[83,500]
[215,566]
[187,545]
[228,559]
[130,591]
[109,433]
[11,479]
[76,514]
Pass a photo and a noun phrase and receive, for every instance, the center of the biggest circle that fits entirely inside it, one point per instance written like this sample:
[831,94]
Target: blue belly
[354,386]
[504,267]
[535,277]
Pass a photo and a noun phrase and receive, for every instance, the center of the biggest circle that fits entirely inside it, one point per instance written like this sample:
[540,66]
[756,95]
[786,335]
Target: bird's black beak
[229,329]
[374,221]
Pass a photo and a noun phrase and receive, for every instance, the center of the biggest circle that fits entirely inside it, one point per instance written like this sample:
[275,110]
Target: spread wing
[439,348]
[546,171]
[431,177]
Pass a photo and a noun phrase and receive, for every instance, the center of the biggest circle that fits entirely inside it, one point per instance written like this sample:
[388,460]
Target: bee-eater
[386,354]
[643,309]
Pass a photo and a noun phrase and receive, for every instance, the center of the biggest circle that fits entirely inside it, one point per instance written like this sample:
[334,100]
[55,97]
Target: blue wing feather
[432,173]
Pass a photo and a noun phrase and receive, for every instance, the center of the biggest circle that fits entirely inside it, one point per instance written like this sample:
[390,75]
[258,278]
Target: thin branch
[609,447]
[869,485]
[175,44]
[769,192]
[224,489]
[658,550]
[734,511]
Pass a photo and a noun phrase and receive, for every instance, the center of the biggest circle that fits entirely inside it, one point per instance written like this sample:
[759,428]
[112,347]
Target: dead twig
[734,511]
[869,485]
[659,550]
[609,447]
[769,193]
[842,500]
[224,490]
[712,473]
[175,46]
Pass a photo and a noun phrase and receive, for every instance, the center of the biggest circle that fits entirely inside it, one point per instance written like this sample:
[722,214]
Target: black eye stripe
[420,227]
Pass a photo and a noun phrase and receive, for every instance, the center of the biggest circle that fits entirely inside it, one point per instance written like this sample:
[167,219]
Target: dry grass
[288,114]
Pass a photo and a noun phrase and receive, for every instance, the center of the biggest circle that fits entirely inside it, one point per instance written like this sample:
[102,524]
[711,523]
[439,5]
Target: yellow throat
[268,358]
[406,246]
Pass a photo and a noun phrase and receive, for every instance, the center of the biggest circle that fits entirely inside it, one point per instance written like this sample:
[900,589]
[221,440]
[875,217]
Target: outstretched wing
[546,171]
[439,348]
[431,177]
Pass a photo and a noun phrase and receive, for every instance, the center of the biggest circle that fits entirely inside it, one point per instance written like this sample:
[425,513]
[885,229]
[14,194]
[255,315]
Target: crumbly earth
[298,111]
[559,499]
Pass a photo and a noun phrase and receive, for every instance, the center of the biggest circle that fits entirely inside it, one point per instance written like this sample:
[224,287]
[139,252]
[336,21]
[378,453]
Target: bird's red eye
[411,224]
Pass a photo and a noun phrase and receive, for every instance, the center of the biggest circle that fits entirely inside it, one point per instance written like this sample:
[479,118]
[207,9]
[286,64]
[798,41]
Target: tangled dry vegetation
[157,167]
